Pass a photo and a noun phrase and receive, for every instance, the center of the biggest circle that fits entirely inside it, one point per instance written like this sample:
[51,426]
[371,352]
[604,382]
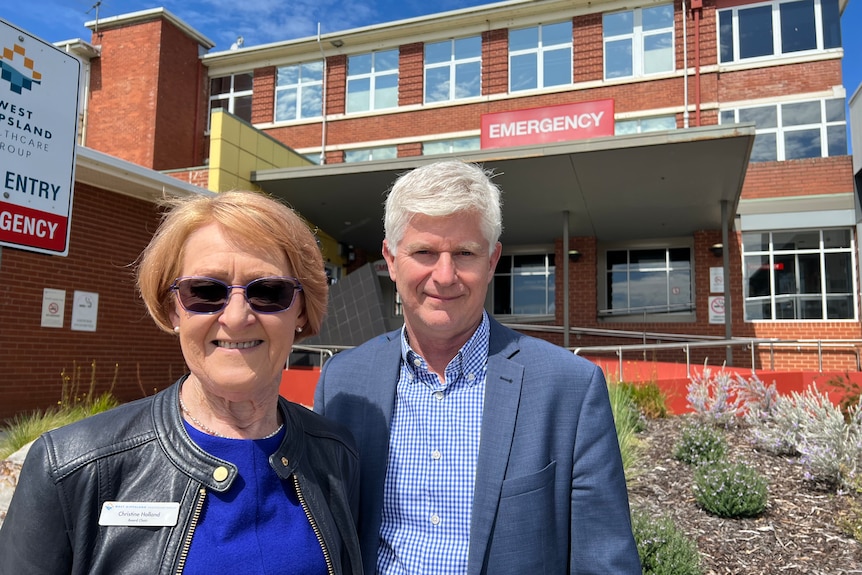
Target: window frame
[387,152]
[510,276]
[542,53]
[373,76]
[638,38]
[453,64]
[454,145]
[231,96]
[300,87]
[777,299]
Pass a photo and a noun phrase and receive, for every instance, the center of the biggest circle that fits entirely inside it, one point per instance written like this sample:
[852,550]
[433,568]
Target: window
[453,69]
[299,92]
[372,81]
[638,42]
[451,146]
[646,282]
[232,93]
[368,154]
[794,130]
[799,275]
[540,57]
[641,125]
[774,28]
[524,285]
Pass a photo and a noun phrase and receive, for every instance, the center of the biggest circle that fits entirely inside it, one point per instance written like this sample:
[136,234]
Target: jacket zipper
[326,557]
[187,542]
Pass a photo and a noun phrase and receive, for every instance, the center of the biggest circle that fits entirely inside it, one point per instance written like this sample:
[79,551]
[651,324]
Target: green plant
[72,406]
[699,444]
[649,398]
[627,422]
[851,393]
[663,549]
[730,489]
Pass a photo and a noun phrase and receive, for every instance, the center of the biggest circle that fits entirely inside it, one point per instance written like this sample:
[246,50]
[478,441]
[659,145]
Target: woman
[217,471]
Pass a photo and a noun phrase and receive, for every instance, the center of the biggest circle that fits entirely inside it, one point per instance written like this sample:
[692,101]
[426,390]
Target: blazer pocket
[526,483]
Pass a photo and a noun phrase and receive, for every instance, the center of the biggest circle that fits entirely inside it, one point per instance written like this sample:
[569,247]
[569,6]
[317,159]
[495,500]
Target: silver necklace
[197,422]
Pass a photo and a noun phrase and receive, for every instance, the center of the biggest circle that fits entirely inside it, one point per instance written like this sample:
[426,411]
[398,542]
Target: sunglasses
[199,294]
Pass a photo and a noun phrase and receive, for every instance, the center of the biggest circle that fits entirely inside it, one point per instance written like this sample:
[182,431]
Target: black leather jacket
[140,451]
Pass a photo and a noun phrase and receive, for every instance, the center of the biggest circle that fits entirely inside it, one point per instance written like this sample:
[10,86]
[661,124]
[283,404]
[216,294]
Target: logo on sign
[19,79]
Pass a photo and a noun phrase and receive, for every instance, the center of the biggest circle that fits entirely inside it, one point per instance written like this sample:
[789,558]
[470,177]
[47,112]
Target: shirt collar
[473,353]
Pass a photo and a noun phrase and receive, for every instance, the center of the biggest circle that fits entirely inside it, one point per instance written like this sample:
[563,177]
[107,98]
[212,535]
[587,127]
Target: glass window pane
[524,72]
[312,100]
[802,144]
[797,26]
[625,127]
[765,148]
[617,260]
[242,108]
[529,263]
[725,33]
[658,53]
[809,273]
[359,64]
[837,138]
[800,113]
[755,242]
[839,307]
[287,76]
[618,59]
[523,39]
[436,84]
[243,82]
[680,288]
[438,52]
[835,110]
[557,67]
[618,295]
[839,273]
[502,295]
[837,239]
[468,80]
[432,148]
[359,95]
[831,23]
[386,61]
[755,31]
[657,124]
[757,276]
[386,92]
[763,117]
[312,72]
[529,294]
[560,33]
[647,289]
[785,274]
[467,144]
[285,105]
[796,240]
[727,117]
[657,17]
[468,47]
[220,85]
[618,24]
[643,259]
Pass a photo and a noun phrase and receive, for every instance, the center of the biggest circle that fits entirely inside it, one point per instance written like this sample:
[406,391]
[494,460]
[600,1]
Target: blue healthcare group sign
[39,90]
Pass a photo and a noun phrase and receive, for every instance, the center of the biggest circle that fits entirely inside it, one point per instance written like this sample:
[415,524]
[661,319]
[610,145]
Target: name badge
[139,513]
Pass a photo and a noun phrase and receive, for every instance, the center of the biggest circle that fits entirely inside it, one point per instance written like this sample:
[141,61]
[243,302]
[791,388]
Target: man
[481,450]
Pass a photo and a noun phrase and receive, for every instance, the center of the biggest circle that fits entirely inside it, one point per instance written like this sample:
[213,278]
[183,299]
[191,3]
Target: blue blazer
[550,495]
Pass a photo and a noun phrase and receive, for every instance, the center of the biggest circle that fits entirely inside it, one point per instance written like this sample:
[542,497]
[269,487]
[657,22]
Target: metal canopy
[653,185]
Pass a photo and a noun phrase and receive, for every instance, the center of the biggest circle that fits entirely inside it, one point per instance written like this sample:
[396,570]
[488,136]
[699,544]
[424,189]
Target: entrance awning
[641,186]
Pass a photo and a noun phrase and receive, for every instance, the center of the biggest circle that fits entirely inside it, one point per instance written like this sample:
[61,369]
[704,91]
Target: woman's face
[237,351]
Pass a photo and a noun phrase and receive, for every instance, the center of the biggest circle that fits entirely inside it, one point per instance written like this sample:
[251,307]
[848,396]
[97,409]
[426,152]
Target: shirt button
[435,519]
[438,395]
[435,455]
[471,376]
[417,362]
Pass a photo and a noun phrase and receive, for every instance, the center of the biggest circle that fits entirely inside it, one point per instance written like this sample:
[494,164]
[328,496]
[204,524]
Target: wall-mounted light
[338,43]
[574,255]
[717,249]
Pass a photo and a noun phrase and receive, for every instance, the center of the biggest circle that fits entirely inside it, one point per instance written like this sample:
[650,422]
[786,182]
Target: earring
[176,329]
[299,329]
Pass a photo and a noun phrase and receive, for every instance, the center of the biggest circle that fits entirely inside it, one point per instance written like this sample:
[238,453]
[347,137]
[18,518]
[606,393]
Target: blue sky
[265,21]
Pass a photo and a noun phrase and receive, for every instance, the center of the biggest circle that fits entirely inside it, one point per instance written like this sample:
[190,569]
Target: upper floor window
[774,28]
[232,93]
[641,125]
[372,81]
[799,275]
[524,285]
[540,57]
[638,42]
[368,154]
[453,69]
[299,91]
[794,130]
[456,146]
[648,282]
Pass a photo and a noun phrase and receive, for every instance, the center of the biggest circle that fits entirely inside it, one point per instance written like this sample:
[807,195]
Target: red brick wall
[108,232]
[148,100]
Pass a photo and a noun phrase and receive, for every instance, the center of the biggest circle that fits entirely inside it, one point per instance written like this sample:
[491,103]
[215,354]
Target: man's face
[442,271]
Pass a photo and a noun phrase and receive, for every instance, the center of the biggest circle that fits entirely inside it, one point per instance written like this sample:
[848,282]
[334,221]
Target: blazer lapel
[502,396]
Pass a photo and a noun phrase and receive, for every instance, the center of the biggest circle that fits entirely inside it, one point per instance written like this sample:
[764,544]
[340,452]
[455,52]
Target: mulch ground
[798,532]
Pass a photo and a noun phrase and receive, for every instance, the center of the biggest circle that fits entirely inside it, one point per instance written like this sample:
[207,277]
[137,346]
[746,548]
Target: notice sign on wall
[39,86]
[549,124]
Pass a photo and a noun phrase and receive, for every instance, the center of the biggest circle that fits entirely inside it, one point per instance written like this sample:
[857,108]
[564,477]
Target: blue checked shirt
[434,446]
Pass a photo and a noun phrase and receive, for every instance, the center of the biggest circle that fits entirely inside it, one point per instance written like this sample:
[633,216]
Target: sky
[266,21]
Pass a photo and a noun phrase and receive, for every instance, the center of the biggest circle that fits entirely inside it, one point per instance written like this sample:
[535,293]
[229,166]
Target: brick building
[670,171]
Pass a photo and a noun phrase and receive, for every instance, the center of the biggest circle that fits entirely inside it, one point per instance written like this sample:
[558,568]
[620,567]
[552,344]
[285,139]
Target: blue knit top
[257,526]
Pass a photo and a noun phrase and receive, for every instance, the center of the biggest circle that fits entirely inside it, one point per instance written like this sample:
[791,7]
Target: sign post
[39,90]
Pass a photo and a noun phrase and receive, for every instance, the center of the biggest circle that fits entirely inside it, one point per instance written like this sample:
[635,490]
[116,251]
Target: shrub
[664,549]
[699,444]
[723,398]
[649,398]
[730,489]
[627,422]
